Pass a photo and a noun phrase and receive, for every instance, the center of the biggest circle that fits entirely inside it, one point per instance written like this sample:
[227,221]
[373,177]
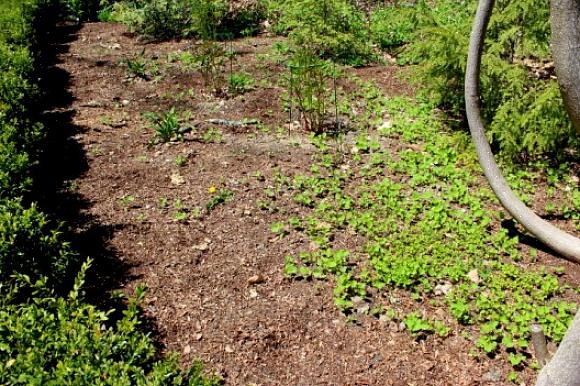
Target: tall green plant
[310,89]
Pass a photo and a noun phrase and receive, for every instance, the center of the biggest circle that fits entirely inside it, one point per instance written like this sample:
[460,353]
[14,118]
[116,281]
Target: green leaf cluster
[65,341]
[205,19]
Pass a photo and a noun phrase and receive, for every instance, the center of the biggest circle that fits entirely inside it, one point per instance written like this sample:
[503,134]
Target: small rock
[473,275]
[253,293]
[177,179]
[493,375]
[125,102]
[187,349]
[201,247]
[385,125]
[377,359]
[363,310]
[256,279]
[384,319]
[93,103]
[229,349]
[118,124]
[357,301]
[293,126]
[198,336]
[442,289]
[151,308]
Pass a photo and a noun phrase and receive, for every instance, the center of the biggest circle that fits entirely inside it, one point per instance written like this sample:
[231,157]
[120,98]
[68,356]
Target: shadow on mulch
[63,160]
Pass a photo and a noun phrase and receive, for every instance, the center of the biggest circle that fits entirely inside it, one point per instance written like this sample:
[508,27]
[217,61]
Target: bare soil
[216,289]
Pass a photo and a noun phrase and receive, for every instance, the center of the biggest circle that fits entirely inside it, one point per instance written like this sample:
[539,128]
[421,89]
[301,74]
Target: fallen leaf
[177,179]
[256,279]
[473,275]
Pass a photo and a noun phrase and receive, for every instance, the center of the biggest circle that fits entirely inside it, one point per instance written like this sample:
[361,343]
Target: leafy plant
[309,89]
[81,9]
[166,125]
[239,83]
[31,246]
[180,161]
[416,324]
[212,135]
[137,67]
[205,19]
[394,26]
[522,103]
[63,340]
[223,195]
[210,58]
[164,19]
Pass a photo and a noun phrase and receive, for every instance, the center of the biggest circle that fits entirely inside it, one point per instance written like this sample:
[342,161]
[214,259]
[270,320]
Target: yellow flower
[212,189]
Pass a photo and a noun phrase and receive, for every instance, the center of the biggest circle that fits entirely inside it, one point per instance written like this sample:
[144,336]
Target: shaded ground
[215,278]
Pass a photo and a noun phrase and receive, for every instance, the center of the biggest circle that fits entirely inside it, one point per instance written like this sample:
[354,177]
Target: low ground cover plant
[428,231]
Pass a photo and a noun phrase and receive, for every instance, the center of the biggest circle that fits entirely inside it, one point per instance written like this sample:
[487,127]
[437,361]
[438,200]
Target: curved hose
[558,240]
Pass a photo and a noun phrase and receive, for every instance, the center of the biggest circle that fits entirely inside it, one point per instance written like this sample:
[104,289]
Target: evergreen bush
[334,29]
[522,103]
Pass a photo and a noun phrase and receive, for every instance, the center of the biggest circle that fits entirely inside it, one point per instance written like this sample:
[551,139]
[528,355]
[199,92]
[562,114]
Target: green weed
[166,125]
[239,83]
[222,196]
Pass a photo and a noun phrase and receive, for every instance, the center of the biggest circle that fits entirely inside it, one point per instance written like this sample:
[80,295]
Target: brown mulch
[202,297]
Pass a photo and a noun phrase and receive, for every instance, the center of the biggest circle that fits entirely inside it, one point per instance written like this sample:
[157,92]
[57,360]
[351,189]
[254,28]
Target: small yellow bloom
[212,189]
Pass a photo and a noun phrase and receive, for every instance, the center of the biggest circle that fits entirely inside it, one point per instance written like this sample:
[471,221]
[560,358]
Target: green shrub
[392,27]
[82,9]
[206,19]
[523,110]
[14,166]
[332,28]
[19,135]
[65,341]
[166,19]
[129,13]
[16,89]
[30,245]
